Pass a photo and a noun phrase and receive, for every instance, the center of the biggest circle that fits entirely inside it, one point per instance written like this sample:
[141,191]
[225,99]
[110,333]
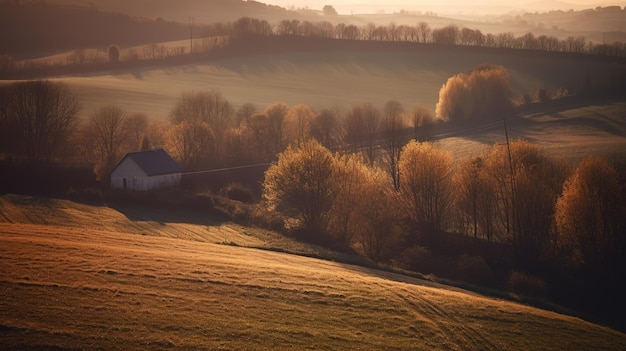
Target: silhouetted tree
[135,125]
[298,122]
[114,53]
[325,127]
[41,115]
[423,31]
[192,143]
[526,184]
[447,35]
[393,138]
[106,136]
[259,127]
[209,107]
[276,116]
[329,10]
[422,122]
[244,113]
[474,198]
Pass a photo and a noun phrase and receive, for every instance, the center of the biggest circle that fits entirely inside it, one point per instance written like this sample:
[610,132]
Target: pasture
[81,277]
[324,76]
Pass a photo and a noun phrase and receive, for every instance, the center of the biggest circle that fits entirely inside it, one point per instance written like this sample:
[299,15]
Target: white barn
[146,170]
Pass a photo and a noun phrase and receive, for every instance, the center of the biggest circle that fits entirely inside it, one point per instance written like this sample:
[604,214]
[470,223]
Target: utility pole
[508,147]
[190,35]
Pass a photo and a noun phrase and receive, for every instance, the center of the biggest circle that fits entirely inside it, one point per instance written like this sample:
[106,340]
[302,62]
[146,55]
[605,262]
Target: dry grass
[94,283]
[323,78]
[570,133]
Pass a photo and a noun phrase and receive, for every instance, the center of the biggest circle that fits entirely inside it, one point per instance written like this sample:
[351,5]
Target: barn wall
[160,181]
[128,170]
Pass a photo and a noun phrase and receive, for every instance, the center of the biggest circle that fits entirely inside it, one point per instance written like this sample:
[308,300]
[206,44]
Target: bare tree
[371,122]
[114,53]
[422,122]
[474,198]
[259,128]
[325,127]
[276,116]
[209,107]
[525,184]
[423,31]
[448,35]
[43,114]
[244,113]
[107,135]
[393,138]
[135,125]
[192,143]
[298,122]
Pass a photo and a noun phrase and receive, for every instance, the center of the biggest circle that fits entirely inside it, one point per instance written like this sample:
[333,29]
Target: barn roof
[154,162]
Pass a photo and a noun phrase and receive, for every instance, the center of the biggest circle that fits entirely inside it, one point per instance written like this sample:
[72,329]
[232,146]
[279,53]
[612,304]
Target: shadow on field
[169,206]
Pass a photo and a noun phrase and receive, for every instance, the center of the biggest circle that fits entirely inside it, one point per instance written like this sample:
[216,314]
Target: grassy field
[330,76]
[597,129]
[80,277]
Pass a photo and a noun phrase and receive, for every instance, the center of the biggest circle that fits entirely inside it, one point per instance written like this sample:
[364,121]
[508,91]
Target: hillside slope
[90,287]
[323,74]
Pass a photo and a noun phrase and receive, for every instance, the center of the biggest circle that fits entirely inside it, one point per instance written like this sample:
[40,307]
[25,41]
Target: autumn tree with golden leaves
[591,212]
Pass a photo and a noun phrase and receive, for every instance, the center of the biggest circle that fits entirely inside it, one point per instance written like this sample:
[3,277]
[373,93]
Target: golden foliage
[425,184]
[482,93]
[590,213]
[301,184]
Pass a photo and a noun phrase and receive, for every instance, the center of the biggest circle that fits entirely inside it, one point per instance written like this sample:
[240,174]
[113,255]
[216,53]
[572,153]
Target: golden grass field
[74,276]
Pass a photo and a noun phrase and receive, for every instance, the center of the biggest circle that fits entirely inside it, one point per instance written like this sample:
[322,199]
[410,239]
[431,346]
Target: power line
[226,169]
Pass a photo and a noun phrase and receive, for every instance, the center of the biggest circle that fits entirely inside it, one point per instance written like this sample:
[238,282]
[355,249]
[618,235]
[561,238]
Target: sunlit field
[323,78]
[570,133]
[82,277]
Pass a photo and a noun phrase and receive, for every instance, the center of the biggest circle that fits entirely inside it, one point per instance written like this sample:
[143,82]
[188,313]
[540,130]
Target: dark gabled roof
[154,162]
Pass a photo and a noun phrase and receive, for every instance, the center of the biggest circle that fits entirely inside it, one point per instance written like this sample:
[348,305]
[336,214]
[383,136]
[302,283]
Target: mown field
[81,277]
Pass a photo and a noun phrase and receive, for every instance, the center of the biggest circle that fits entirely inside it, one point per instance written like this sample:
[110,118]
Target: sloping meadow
[96,285]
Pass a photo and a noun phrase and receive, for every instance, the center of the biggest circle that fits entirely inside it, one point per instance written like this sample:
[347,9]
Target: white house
[146,170]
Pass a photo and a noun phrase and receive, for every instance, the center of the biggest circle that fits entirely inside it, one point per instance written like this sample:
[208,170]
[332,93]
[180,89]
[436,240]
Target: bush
[474,269]
[416,258]
[524,284]
[238,192]
[90,196]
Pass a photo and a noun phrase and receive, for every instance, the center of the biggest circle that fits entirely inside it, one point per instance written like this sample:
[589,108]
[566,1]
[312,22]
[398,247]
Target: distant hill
[202,11]
[33,29]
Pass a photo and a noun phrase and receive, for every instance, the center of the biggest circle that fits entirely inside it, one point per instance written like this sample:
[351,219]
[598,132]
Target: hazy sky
[443,6]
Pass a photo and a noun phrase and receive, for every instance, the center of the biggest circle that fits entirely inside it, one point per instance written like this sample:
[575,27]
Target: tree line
[422,32]
[217,35]
[39,120]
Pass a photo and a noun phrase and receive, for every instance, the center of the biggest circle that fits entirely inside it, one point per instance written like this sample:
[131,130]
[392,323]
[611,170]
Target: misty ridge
[94,25]
[508,179]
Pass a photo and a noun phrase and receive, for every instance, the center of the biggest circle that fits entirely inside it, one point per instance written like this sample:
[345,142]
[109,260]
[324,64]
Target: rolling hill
[326,73]
[79,283]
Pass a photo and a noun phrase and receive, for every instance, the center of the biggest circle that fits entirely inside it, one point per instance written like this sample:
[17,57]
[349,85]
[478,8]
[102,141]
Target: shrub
[238,192]
[524,284]
[474,269]
[417,259]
